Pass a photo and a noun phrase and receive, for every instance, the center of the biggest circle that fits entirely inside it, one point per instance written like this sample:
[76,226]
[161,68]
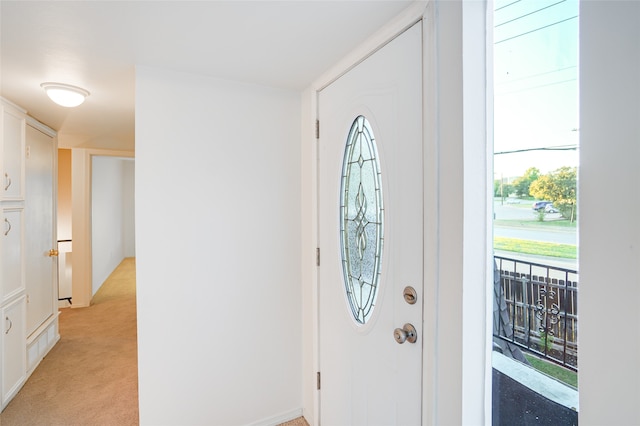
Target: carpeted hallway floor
[91,376]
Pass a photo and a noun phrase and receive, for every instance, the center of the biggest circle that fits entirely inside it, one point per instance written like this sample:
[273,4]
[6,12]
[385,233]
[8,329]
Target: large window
[536,125]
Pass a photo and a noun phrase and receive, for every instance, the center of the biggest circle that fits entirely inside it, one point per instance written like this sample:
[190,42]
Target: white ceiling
[97,44]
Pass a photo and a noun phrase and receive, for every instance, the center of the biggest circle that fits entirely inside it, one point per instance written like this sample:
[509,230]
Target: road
[524,212]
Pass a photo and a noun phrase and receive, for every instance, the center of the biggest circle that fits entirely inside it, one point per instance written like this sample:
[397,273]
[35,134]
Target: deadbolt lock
[410,295]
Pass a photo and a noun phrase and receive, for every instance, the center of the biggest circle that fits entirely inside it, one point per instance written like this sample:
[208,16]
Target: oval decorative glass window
[361,220]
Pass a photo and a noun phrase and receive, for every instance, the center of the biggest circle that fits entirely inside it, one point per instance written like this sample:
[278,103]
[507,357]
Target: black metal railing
[541,302]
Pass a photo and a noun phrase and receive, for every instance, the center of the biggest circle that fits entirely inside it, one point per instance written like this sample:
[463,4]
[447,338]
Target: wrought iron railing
[541,302]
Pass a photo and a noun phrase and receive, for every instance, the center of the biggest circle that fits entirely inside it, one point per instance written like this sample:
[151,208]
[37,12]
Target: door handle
[10,325]
[7,179]
[405,334]
[8,226]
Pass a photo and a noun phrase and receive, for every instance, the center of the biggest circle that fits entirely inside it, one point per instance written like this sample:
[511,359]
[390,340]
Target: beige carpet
[300,421]
[91,376]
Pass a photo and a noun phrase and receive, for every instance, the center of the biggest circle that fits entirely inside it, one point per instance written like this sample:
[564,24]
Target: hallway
[91,375]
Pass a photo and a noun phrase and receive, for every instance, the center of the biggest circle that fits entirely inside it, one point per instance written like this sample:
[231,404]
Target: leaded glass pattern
[361,220]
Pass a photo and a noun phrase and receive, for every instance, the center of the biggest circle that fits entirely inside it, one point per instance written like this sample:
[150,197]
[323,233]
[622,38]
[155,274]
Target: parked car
[550,209]
[541,205]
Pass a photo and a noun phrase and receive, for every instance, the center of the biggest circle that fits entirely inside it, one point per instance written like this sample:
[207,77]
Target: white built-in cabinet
[28,277]
[14,361]
[13,140]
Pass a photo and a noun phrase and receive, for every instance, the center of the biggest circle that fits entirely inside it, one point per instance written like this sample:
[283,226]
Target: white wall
[112,215]
[609,378]
[128,207]
[218,250]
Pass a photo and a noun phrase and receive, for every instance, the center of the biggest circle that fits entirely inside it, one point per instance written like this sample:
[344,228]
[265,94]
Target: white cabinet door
[40,276]
[14,360]
[11,260]
[13,130]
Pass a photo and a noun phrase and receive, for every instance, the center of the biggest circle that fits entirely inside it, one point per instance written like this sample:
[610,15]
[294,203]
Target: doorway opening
[96,205]
[112,216]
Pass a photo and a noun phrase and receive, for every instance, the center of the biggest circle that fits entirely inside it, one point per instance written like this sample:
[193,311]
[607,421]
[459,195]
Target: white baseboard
[281,418]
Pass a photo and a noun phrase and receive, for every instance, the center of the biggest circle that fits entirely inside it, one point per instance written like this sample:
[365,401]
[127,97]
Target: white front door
[371,238]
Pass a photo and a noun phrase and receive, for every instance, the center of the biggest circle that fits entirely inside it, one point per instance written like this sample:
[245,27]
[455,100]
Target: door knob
[405,334]
[52,253]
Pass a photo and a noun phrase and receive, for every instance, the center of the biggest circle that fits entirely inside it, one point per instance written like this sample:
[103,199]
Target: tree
[559,187]
[522,184]
[501,189]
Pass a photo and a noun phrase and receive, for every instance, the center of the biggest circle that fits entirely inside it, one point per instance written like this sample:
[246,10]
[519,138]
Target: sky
[536,85]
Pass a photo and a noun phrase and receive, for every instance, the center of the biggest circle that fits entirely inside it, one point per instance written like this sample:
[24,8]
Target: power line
[530,13]
[554,148]
[526,77]
[506,5]
[537,87]
[537,29]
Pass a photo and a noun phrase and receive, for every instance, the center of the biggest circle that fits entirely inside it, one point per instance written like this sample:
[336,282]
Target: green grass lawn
[566,376]
[566,251]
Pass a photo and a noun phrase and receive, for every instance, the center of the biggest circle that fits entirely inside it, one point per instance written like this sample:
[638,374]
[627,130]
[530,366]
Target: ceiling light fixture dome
[65,95]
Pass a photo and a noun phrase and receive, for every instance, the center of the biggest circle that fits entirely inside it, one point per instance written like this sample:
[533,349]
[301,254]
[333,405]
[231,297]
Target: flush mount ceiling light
[64,94]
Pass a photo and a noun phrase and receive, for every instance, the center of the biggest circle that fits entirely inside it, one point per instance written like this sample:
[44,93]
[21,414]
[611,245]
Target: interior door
[40,274]
[371,239]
